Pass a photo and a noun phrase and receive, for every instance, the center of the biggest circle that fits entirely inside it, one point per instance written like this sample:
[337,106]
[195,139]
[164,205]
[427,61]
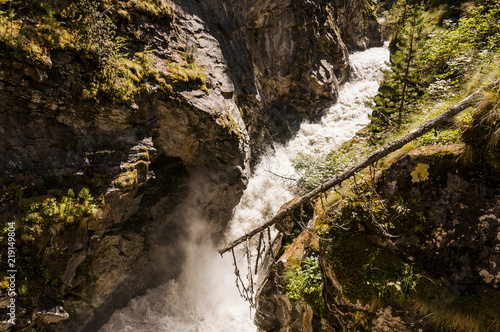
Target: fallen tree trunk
[372,158]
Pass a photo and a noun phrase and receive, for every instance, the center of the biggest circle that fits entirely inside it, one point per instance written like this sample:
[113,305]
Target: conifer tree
[402,82]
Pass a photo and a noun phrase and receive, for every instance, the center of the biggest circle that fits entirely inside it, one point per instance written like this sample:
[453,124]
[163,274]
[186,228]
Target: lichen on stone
[421,173]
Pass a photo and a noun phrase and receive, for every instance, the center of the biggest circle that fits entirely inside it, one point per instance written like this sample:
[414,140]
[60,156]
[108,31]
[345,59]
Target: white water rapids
[204,297]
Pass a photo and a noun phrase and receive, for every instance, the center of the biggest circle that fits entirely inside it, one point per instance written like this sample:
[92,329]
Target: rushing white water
[265,194]
[204,298]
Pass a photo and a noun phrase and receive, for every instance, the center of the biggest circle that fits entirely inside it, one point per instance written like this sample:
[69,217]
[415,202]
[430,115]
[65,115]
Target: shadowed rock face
[285,59]
[461,248]
[464,207]
[269,65]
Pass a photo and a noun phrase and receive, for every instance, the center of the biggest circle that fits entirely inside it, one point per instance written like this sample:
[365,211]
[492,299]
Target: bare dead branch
[258,253]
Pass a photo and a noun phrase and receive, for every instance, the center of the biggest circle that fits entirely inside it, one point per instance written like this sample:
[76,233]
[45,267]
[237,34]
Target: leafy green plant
[446,136]
[41,216]
[314,170]
[34,217]
[457,48]
[36,221]
[402,285]
[304,282]
[453,57]
[479,30]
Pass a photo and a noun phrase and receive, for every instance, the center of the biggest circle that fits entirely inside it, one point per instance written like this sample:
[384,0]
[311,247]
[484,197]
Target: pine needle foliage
[402,84]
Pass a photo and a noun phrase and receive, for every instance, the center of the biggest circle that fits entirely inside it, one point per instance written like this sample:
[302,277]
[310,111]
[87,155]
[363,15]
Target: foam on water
[204,298]
[265,194]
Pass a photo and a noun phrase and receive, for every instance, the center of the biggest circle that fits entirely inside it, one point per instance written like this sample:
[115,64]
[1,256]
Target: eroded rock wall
[269,65]
[463,201]
[285,58]
[147,157]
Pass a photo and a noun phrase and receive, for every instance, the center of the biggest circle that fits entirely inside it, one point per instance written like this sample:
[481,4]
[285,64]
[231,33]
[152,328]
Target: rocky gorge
[197,91]
[411,242]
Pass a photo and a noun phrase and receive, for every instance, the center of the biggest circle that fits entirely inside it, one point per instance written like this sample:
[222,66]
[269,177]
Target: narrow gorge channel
[204,297]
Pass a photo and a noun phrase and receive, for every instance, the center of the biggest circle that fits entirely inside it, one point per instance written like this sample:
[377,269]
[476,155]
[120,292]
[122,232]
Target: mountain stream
[204,297]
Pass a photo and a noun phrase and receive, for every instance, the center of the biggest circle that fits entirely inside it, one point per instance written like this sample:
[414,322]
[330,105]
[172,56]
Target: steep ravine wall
[451,241]
[285,58]
[269,65]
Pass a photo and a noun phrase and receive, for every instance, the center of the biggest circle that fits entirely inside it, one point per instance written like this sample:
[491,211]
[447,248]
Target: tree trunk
[407,69]
[372,158]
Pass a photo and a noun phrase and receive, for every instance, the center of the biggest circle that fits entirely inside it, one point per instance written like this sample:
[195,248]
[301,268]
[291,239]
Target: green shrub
[401,285]
[97,34]
[304,282]
[315,170]
[455,57]
[446,136]
[36,221]
[41,216]
[454,47]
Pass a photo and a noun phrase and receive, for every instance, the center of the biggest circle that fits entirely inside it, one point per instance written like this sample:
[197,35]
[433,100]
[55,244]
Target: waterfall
[204,298]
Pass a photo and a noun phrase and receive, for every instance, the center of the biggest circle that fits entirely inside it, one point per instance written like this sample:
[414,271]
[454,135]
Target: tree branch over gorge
[371,159]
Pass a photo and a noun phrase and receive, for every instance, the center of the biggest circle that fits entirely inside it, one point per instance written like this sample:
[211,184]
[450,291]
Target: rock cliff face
[464,207]
[451,241]
[269,64]
[48,144]
[285,58]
